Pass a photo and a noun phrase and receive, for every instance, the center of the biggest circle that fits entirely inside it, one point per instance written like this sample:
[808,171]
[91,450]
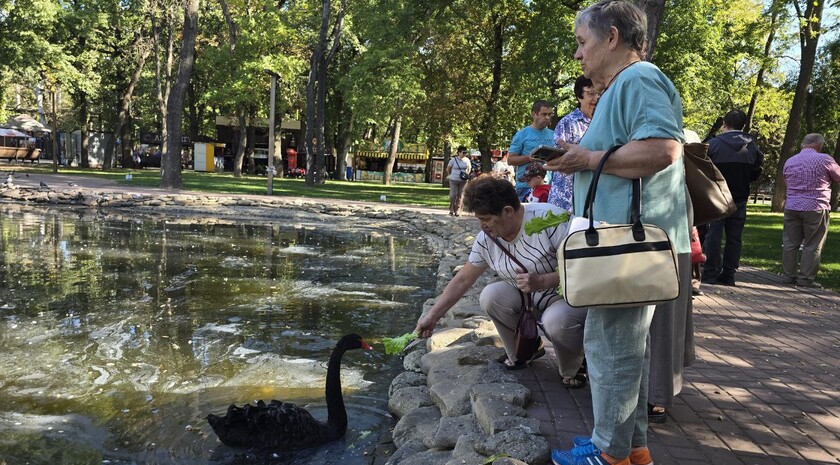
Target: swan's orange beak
[366,346]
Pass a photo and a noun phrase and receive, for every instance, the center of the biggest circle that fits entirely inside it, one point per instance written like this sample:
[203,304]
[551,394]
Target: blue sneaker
[583,454]
[581,440]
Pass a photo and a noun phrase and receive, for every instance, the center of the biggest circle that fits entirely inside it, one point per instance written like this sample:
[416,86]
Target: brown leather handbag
[707,188]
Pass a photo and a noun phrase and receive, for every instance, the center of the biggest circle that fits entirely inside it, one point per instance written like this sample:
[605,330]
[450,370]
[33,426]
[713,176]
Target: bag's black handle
[517,263]
[591,233]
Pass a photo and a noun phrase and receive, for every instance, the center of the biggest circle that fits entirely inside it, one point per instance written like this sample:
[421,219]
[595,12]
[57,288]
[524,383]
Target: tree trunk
[488,121]
[171,163]
[653,10]
[249,147]
[84,116]
[125,103]
[308,143]
[316,94]
[809,111]
[343,139]
[320,174]
[392,151]
[835,187]
[759,78]
[127,143]
[809,37]
[163,76]
[243,142]
[447,154]
[54,126]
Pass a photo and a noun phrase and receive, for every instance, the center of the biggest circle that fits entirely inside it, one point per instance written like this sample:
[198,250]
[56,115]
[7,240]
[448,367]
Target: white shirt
[537,252]
[458,165]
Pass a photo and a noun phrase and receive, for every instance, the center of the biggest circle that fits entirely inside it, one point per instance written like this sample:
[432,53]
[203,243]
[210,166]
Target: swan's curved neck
[336,414]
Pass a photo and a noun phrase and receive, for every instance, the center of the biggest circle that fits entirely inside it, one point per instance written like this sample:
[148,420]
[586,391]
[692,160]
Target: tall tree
[141,50]
[171,161]
[654,9]
[316,90]
[810,30]
[826,88]
[776,9]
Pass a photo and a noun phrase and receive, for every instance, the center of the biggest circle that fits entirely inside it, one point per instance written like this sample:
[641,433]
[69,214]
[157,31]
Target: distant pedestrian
[503,168]
[529,138]
[570,129]
[808,176]
[458,170]
[738,158]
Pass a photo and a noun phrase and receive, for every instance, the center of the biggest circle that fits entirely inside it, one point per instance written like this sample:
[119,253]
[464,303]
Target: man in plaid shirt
[808,176]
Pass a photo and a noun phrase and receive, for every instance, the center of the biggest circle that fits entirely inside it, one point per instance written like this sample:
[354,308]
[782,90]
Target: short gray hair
[628,19]
[814,140]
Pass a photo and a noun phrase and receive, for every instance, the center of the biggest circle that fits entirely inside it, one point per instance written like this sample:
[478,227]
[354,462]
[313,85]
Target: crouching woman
[495,204]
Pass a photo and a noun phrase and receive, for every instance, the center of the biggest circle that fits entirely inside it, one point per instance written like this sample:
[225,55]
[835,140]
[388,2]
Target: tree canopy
[452,72]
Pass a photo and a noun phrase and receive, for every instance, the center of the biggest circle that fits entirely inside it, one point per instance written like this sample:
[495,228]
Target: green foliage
[394,346]
[431,62]
[538,224]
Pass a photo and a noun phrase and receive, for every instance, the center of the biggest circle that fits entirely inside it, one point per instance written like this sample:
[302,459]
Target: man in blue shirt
[527,139]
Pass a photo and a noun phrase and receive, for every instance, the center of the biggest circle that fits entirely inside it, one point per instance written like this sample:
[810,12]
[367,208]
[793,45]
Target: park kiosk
[410,165]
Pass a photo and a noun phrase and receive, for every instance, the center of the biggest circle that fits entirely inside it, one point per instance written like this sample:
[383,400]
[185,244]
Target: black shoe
[657,414]
[725,280]
[710,280]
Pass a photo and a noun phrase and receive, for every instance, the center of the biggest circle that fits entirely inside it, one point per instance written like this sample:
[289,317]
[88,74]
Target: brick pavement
[763,391]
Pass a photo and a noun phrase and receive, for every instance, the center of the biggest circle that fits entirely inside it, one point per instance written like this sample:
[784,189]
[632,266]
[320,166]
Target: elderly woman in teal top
[640,110]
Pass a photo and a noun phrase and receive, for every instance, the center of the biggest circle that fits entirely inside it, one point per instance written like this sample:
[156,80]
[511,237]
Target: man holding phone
[527,139]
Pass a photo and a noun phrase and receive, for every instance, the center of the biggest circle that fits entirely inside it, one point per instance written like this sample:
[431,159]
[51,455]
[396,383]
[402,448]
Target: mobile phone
[546,153]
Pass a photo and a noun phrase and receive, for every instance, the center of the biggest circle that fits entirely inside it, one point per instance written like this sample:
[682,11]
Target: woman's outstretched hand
[425,326]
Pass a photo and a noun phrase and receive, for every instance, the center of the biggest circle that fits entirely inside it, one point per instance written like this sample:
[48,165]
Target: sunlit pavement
[764,388]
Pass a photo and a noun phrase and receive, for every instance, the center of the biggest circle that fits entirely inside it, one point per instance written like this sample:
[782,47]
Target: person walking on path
[808,176]
[527,139]
[640,110]
[738,158]
[458,171]
[494,203]
[570,129]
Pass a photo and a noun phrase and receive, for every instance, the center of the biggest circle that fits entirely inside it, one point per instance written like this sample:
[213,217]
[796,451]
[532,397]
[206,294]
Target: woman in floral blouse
[570,129]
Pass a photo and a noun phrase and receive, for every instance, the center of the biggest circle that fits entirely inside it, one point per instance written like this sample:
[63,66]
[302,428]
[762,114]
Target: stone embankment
[455,404]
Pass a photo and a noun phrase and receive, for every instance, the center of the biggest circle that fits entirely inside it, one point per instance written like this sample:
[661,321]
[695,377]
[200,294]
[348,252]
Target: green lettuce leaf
[541,223]
[395,345]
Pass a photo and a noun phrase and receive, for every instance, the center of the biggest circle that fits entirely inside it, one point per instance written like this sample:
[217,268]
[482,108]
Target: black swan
[284,426]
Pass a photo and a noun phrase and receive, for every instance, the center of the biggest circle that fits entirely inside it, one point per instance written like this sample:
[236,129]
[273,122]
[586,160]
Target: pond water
[118,334]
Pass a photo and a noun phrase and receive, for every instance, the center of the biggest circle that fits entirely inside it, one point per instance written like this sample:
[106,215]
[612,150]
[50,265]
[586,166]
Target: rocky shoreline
[454,403]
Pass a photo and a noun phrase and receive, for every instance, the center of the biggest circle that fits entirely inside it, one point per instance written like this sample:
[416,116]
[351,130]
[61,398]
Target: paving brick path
[765,388]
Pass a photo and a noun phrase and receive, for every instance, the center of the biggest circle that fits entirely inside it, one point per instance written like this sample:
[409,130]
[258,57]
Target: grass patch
[762,244]
[429,195]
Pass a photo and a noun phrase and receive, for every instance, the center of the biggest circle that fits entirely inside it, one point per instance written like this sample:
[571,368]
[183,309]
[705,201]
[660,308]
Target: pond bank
[455,404]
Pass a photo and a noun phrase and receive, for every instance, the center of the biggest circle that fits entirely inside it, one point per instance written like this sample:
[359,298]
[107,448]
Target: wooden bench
[19,153]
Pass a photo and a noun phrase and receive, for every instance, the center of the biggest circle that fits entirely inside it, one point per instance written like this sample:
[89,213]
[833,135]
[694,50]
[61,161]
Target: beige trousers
[562,324]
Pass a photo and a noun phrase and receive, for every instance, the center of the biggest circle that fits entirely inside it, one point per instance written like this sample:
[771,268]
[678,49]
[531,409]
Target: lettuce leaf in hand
[538,224]
[396,345]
